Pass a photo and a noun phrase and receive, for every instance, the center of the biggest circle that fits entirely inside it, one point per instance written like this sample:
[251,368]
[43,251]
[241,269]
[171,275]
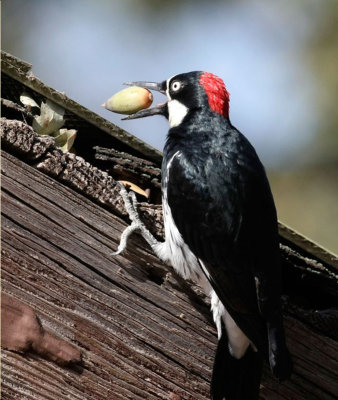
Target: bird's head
[192,91]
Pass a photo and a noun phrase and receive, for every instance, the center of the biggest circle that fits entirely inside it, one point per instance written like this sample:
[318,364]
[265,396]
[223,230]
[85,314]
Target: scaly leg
[136,224]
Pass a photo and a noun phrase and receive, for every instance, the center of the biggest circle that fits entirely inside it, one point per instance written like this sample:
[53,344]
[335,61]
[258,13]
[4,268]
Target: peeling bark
[74,171]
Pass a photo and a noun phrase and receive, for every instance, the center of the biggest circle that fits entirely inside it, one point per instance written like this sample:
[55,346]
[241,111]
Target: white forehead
[167,91]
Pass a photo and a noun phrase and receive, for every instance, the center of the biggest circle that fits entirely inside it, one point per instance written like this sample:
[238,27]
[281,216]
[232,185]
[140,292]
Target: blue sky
[88,49]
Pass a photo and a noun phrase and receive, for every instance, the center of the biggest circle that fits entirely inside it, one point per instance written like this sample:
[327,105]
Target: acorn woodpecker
[220,230]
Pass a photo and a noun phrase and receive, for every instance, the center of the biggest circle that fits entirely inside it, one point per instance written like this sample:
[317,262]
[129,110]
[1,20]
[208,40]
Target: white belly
[175,251]
[178,254]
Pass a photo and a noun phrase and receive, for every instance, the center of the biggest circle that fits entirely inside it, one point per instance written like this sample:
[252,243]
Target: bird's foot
[130,203]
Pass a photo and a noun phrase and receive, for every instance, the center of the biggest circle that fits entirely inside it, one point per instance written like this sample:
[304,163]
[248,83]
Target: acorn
[129,100]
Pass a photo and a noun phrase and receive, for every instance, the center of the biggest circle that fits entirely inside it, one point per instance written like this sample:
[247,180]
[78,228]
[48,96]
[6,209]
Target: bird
[221,230]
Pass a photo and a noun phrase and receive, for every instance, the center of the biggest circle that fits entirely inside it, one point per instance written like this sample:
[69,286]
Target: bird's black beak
[160,109]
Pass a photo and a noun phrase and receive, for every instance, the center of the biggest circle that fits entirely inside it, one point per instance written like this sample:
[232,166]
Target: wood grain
[142,332]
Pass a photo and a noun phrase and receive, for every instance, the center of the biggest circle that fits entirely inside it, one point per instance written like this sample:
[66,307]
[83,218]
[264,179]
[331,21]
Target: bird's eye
[175,86]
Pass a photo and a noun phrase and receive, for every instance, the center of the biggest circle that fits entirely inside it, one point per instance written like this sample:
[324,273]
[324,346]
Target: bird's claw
[131,204]
[131,208]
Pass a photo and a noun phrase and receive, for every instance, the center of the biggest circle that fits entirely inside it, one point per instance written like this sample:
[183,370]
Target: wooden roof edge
[308,246]
[16,62]
[21,71]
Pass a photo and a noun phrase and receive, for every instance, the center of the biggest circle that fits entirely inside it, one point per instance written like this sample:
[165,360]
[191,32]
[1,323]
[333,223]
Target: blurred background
[279,61]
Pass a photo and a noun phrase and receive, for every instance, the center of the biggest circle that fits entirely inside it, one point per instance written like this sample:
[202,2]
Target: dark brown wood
[136,336]
[124,166]
[142,332]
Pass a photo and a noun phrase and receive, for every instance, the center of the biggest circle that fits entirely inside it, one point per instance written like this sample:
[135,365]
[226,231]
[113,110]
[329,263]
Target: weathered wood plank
[62,267]
[143,333]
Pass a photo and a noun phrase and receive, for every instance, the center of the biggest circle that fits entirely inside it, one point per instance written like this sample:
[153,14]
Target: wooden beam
[140,335]
[142,332]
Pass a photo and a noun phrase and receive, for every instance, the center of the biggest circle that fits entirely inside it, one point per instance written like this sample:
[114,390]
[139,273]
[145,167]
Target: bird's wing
[226,215]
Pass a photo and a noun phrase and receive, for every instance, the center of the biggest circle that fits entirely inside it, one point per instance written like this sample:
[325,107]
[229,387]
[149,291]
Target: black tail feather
[235,379]
[279,356]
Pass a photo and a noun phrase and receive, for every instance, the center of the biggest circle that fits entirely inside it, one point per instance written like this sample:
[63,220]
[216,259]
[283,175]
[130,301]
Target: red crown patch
[218,96]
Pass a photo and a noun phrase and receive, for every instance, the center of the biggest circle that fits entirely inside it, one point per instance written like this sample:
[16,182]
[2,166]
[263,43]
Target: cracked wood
[143,333]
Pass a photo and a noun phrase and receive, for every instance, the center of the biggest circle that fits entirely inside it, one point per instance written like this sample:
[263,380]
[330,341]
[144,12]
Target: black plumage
[222,205]
[217,195]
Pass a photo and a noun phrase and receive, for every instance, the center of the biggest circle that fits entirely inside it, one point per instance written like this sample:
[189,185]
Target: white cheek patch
[177,111]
